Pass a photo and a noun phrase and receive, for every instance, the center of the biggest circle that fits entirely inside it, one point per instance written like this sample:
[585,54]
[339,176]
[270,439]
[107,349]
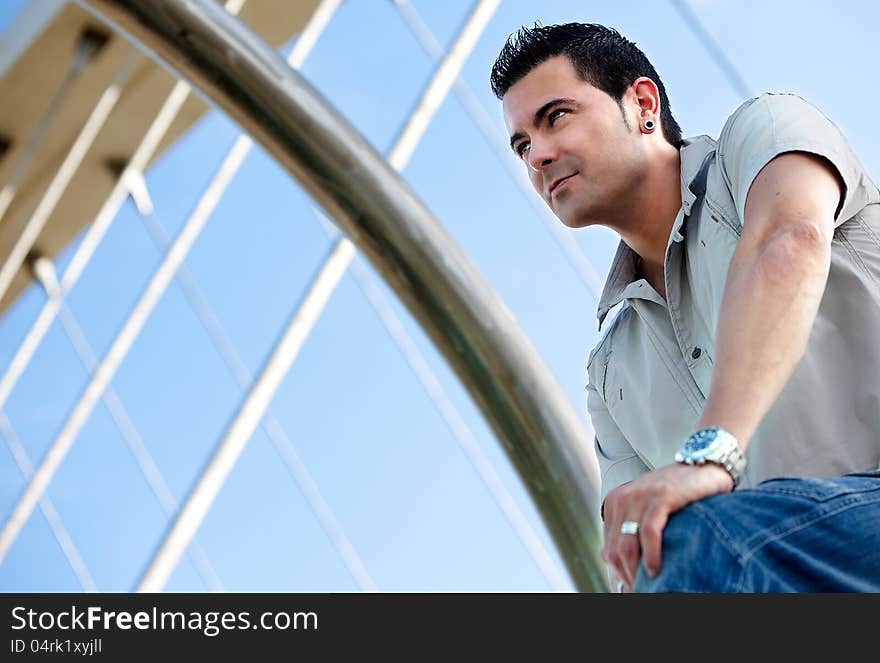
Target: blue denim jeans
[783,535]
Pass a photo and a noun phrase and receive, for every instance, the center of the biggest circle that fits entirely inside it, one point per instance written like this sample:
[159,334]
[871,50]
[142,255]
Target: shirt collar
[623,268]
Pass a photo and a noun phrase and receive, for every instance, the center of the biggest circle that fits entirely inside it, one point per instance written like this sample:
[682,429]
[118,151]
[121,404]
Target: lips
[555,183]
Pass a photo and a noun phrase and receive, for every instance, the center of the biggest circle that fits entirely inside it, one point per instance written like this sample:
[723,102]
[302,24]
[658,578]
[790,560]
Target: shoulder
[771,124]
[770,102]
[763,118]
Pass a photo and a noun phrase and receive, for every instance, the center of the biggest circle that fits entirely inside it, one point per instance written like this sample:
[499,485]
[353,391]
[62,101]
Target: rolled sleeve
[773,124]
[618,461]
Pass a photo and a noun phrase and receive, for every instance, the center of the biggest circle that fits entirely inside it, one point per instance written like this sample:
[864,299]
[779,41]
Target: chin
[571,216]
[577,216]
[573,221]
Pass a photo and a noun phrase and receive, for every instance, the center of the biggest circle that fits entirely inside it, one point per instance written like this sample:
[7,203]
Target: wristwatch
[714,445]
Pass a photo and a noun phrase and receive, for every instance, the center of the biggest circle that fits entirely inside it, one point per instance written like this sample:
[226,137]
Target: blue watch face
[701,440]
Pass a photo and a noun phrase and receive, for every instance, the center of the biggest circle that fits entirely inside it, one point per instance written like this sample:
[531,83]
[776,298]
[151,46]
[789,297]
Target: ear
[646,96]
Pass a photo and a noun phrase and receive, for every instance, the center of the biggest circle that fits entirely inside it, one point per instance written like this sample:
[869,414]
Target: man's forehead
[552,79]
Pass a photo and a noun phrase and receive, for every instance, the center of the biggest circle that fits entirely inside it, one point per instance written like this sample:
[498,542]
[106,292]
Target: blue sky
[402,489]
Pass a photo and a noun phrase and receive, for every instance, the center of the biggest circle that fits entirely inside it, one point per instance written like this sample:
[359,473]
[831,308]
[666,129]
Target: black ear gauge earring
[649,125]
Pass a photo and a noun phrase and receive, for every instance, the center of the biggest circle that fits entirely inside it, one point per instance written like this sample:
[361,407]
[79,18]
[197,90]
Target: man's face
[580,154]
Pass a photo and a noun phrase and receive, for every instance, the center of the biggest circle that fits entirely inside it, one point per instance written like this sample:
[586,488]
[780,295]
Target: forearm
[770,301]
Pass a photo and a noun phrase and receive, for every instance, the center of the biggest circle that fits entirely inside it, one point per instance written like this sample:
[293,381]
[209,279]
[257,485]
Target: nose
[540,156]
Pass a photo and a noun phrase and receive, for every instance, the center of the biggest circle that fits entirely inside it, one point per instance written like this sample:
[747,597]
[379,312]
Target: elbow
[807,235]
[800,250]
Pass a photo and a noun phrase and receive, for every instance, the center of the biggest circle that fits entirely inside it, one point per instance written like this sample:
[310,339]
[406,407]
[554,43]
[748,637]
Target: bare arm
[774,285]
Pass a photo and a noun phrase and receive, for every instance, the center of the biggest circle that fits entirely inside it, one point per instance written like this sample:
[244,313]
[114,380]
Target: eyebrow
[539,115]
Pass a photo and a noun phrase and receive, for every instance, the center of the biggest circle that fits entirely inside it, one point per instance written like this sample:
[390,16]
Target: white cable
[68,547]
[136,445]
[443,78]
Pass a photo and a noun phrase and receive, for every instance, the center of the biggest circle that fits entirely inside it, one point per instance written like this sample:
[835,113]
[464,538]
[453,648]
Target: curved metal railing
[528,411]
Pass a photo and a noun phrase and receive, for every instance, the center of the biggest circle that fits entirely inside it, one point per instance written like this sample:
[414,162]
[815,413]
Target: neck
[649,219]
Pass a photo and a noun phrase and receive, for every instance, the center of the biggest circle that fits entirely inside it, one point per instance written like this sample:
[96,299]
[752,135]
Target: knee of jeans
[686,536]
[678,555]
[693,558]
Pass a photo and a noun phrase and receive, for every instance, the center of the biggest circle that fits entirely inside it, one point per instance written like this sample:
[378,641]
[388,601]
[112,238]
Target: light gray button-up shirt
[649,375]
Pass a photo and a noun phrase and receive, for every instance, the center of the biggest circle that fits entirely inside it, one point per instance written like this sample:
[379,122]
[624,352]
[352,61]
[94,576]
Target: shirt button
[696,353]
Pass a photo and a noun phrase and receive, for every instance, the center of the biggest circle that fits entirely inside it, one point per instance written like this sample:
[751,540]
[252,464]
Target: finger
[615,557]
[609,539]
[651,538]
[627,555]
[614,582]
[623,553]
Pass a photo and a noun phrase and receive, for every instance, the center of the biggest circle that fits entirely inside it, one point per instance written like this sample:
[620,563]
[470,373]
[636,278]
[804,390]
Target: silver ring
[629,527]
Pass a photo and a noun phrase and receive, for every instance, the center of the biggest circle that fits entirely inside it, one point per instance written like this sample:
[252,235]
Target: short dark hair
[601,56]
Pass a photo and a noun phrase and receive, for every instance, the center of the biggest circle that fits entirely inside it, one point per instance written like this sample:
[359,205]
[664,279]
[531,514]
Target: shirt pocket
[710,247]
[700,365]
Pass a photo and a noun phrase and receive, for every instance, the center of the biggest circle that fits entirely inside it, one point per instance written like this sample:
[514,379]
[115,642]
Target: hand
[649,500]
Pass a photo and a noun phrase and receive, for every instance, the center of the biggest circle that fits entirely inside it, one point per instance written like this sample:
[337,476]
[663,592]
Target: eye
[555,115]
[522,148]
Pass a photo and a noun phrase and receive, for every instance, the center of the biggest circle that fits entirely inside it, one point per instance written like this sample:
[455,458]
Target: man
[747,347]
